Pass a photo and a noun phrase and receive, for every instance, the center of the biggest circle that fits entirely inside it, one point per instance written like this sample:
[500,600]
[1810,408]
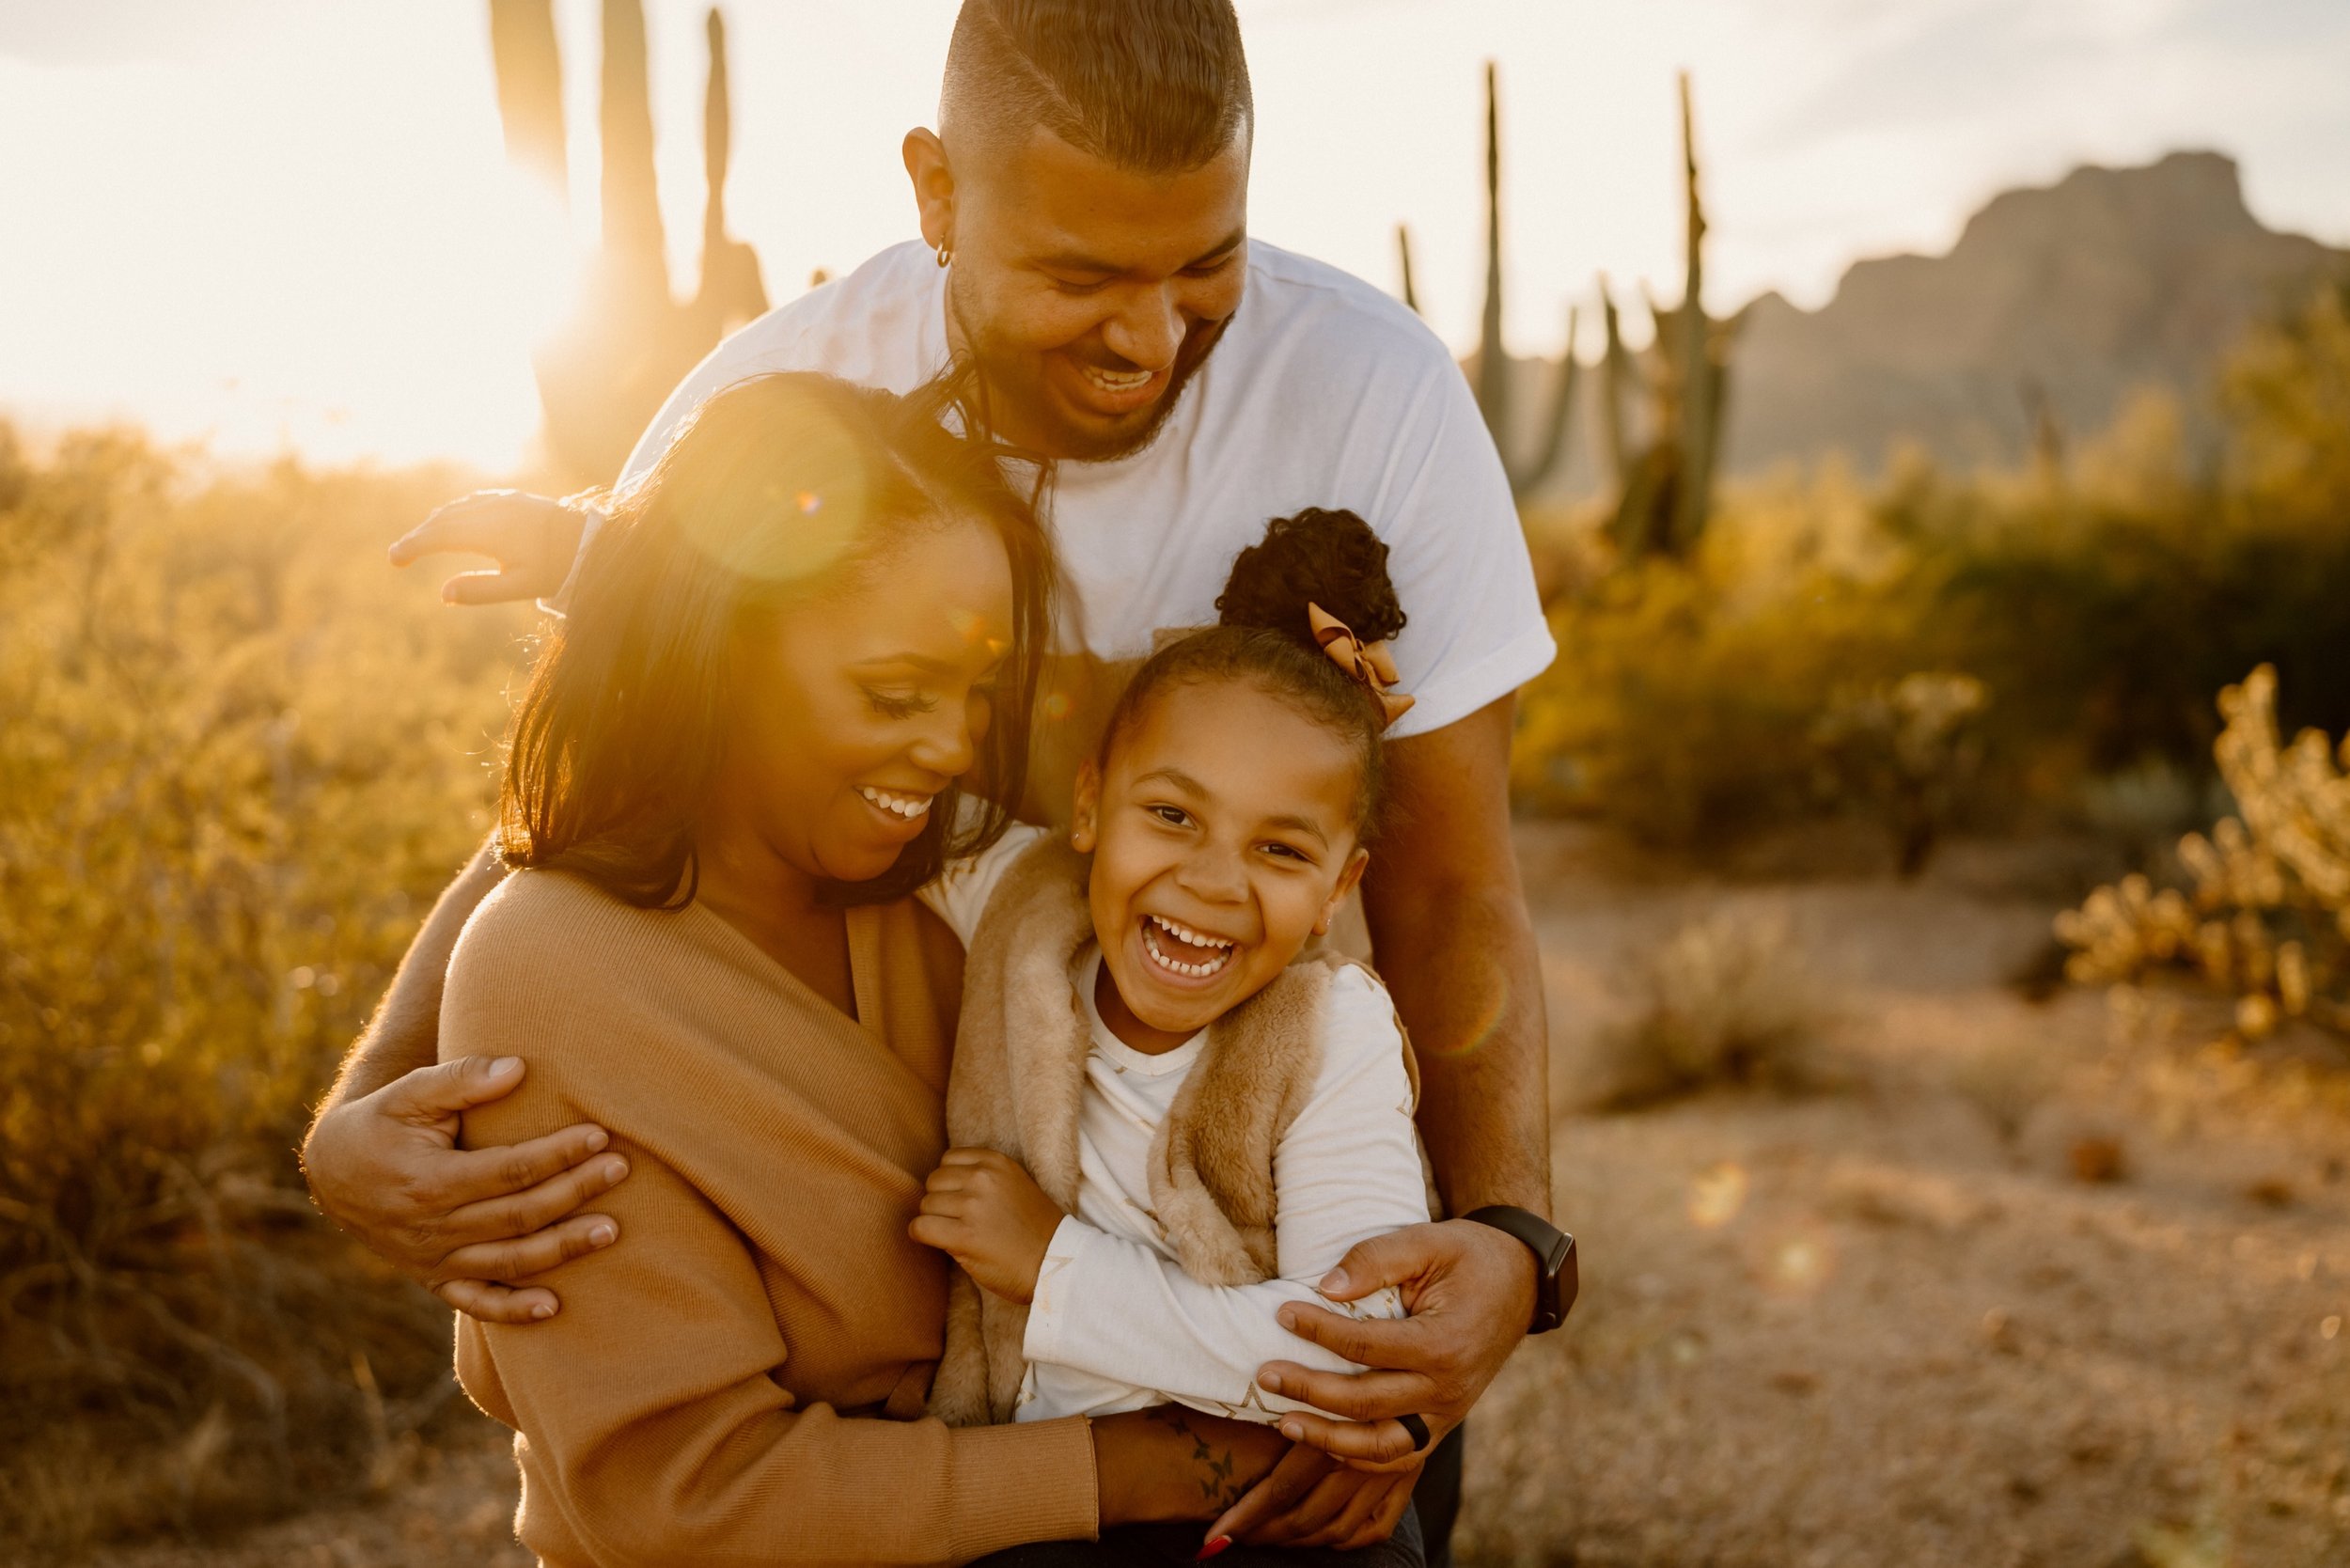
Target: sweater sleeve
[652,1402]
[959,894]
[1348,1169]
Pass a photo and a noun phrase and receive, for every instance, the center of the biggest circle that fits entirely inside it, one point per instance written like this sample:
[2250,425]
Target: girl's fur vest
[1019,1074]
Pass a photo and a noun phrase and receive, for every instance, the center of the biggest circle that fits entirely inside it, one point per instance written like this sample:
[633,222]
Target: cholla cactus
[2269,916]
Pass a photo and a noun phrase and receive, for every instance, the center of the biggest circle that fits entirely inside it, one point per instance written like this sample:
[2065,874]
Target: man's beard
[1007,376]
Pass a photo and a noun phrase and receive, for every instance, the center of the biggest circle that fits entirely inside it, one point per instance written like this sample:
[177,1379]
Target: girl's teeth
[1184,934]
[1151,927]
[903,806]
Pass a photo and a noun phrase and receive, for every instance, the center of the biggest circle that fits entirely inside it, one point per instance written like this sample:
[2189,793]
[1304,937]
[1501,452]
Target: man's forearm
[1466,978]
[404,1034]
[1450,927]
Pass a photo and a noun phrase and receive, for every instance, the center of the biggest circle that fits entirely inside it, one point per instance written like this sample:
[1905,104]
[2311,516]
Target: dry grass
[1725,999]
[239,757]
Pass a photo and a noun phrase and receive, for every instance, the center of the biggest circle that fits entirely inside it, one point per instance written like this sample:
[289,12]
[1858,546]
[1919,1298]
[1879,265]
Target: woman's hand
[987,1211]
[1173,1463]
[1311,1499]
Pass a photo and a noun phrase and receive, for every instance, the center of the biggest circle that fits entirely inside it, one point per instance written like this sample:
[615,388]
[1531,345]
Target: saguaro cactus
[530,89]
[731,290]
[1617,372]
[1495,369]
[1492,359]
[604,374]
[1665,495]
[634,241]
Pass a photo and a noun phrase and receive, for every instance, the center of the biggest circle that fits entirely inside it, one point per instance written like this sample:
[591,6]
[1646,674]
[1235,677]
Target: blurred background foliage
[238,761]
[2006,649]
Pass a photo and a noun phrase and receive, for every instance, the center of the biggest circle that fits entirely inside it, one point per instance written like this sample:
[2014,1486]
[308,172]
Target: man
[1083,209]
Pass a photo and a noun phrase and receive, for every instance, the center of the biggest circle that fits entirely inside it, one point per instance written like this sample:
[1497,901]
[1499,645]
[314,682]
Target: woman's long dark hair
[771,488]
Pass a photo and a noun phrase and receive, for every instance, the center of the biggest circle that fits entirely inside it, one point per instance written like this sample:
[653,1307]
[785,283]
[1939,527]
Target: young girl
[1207,1121]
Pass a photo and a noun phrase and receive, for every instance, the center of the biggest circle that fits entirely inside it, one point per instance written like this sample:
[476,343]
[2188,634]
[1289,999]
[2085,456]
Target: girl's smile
[1201,955]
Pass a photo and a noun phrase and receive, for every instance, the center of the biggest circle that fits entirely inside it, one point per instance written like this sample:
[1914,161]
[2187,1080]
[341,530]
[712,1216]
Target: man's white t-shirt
[1324,392]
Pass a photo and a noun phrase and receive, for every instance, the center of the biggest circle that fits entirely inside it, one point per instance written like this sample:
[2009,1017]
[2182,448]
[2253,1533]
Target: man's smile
[1111,394]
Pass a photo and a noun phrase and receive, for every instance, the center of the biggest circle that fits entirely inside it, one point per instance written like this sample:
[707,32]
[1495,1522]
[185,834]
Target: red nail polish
[1211,1548]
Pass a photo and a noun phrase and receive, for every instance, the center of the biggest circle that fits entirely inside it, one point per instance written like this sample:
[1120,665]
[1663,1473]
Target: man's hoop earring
[946,254]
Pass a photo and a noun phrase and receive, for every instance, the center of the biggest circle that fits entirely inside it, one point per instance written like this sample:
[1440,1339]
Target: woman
[732,765]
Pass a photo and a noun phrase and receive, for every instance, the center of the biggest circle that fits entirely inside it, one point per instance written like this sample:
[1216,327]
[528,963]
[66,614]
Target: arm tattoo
[1212,1466]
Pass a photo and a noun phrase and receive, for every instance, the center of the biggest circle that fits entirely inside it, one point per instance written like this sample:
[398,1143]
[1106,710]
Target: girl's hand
[987,1211]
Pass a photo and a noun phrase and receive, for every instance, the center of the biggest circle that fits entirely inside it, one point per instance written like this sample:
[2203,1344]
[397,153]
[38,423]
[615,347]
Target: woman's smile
[898,804]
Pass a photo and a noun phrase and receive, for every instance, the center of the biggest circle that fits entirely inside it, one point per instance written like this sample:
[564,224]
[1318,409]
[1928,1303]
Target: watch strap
[1556,1279]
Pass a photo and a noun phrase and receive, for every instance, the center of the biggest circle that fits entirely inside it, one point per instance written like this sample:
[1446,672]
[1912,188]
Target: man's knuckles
[1355,1340]
[416,1242]
[520,1167]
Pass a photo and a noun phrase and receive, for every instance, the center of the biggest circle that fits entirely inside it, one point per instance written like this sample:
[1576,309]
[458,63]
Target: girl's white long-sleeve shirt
[1117,1325]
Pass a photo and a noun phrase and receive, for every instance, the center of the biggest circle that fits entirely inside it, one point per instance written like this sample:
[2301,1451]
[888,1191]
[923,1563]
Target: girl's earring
[946,256]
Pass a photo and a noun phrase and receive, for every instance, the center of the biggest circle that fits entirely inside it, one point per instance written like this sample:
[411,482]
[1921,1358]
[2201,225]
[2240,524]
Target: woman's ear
[934,187]
[1348,879]
[1088,805]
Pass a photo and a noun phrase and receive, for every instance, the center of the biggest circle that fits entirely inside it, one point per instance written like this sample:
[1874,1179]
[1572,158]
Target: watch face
[1566,1278]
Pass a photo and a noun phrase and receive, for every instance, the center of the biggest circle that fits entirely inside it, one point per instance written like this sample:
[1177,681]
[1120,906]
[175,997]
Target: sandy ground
[1852,1328]
[1862,1328]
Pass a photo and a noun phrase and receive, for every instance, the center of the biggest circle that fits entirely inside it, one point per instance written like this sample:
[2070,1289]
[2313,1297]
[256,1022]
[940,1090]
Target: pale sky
[273,224]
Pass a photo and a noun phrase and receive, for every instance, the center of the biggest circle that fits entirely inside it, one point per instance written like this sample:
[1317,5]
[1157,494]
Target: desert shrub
[2060,627]
[239,759]
[2103,609]
[1688,698]
[2007,1080]
[2268,919]
[1907,750]
[1724,1000]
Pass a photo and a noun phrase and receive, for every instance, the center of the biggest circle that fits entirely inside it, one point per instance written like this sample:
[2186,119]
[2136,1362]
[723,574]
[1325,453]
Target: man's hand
[386,1169]
[532,537]
[987,1211]
[1470,1290]
[1311,1499]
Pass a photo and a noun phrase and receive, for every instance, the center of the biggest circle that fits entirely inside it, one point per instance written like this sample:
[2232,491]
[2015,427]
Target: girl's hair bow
[1366,662]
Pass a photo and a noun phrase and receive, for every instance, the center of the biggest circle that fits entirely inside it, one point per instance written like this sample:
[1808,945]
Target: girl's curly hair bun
[1321,556]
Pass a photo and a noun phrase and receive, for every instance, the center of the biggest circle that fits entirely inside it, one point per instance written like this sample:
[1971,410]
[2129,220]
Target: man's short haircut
[1159,86]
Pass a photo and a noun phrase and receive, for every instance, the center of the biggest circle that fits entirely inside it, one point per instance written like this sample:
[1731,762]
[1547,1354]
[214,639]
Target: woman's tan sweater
[740,1379]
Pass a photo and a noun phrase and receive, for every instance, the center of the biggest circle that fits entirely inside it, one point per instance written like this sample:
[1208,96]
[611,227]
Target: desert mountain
[2081,292]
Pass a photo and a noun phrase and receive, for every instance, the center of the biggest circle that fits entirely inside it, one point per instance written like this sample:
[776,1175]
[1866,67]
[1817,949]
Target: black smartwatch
[1555,1272]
